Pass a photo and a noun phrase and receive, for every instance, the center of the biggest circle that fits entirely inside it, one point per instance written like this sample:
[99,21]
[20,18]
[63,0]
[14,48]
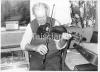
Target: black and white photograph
[49,35]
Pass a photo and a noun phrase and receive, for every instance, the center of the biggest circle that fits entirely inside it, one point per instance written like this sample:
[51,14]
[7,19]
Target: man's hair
[38,5]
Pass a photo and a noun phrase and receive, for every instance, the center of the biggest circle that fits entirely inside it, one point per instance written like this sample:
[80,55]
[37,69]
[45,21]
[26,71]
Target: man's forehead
[40,12]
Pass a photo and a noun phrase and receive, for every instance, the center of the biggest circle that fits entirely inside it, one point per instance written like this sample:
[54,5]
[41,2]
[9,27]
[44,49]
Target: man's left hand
[66,36]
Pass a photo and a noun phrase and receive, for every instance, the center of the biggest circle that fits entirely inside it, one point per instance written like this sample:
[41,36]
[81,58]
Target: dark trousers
[52,63]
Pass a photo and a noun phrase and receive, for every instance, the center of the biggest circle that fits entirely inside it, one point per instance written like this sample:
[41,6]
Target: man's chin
[42,23]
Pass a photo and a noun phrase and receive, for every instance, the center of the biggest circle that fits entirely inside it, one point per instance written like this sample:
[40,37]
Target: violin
[43,30]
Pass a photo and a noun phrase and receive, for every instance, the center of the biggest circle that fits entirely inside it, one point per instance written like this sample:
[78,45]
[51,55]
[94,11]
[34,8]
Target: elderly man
[37,52]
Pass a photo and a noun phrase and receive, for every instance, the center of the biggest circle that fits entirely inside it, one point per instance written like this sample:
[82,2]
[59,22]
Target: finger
[44,50]
[41,52]
[65,33]
[70,35]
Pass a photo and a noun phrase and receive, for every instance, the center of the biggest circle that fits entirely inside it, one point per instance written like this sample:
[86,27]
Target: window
[15,10]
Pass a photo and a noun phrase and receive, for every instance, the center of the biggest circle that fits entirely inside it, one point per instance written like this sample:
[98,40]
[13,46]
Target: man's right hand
[42,49]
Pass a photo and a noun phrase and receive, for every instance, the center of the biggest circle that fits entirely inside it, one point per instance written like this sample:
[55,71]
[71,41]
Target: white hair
[41,5]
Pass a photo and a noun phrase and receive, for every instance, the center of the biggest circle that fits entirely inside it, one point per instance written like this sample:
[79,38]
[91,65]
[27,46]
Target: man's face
[40,15]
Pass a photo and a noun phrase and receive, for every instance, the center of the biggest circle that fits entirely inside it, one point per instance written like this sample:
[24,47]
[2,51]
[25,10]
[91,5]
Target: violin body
[44,29]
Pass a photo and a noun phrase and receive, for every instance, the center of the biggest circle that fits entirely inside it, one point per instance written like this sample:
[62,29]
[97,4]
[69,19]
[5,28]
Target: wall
[61,10]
